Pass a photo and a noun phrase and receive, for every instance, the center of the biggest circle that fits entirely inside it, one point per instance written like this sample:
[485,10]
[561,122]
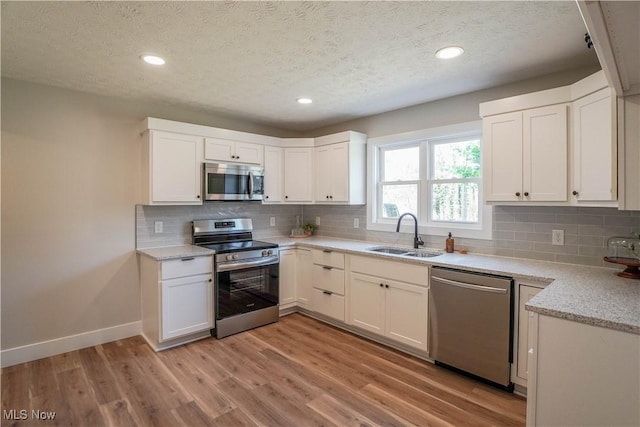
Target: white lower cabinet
[582,375]
[327,295]
[288,278]
[525,292]
[394,309]
[186,306]
[304,265]
[177,300]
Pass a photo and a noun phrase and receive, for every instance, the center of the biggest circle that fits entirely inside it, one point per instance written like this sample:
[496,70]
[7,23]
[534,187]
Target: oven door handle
[242,265]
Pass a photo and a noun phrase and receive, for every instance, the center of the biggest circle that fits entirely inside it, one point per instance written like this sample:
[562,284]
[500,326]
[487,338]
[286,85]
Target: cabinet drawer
[187,266]
[328,257]
[328,279]
[401,271]
[331,305]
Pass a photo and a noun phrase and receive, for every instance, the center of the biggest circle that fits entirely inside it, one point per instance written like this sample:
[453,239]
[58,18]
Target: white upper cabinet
[272,175]
[594,149]
[532,155]
[544,154]
[225,150]
[298,175]
[526,155]
[340,168]
[502,154]
[172,169]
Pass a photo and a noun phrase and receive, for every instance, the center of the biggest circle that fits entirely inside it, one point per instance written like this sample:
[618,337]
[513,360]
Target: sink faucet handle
[419,241]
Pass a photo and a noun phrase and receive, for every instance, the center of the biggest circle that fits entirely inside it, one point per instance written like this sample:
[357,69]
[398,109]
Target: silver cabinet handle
[470,286]
[188,259]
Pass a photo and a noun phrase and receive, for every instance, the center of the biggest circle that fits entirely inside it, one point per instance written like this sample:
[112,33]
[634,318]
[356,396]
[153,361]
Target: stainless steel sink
[403,252]
[387,250]
[420,254]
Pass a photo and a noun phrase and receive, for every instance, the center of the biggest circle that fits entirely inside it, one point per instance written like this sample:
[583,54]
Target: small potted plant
[309,228]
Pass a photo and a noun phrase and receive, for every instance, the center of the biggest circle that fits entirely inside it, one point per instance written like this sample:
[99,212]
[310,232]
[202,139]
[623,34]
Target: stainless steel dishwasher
[471,324]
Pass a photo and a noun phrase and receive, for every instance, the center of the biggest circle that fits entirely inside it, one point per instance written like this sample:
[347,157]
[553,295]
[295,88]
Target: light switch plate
[272,221]
[356,222]
[159,226]
[318,220]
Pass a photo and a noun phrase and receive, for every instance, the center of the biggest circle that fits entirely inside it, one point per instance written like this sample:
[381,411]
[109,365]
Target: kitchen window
[435,174]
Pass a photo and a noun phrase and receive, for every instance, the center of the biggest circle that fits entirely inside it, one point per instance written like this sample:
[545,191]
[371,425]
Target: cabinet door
[339,168]
[287,276]
[272,175]
[219,149]
[323,175]
[526,293]
[545,145]
[594,149]
[249,153]
[367,302]
[298,175]
[406,314]
[187,306]
[303,279]
[176,162]
[502,154]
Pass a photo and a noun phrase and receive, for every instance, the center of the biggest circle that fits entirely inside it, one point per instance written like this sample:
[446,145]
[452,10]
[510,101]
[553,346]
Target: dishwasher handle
[470,286]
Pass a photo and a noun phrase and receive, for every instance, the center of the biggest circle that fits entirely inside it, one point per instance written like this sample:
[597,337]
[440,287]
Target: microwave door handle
[250,185]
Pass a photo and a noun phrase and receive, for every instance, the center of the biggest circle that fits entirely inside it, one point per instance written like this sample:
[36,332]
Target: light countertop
[174,252]
[591,295]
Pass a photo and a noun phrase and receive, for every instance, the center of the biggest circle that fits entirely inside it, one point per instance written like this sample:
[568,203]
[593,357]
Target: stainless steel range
[246,271]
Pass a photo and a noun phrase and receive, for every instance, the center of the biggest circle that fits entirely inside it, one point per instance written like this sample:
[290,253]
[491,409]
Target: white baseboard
[27,353]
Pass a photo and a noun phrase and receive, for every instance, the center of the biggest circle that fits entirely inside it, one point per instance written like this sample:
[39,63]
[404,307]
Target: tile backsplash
[518,231]
[177,220]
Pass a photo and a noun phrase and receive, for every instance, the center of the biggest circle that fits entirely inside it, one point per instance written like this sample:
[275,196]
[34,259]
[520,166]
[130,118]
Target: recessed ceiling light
[153,60]
[449,52]
[305,100]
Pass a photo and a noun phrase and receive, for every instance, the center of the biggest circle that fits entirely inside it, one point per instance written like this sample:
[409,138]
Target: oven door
[242,290]
[233,182]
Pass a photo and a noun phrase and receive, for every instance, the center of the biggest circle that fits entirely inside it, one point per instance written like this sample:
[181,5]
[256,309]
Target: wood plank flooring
[297,372]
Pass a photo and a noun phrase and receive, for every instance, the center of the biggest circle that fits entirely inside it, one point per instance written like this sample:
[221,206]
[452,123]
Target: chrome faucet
[417,240]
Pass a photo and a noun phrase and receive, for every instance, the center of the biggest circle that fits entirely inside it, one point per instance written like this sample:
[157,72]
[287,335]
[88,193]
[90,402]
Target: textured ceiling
[253,59]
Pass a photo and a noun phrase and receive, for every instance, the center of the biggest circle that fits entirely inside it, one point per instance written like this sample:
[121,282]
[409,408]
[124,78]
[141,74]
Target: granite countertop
[591,295]
[174,252]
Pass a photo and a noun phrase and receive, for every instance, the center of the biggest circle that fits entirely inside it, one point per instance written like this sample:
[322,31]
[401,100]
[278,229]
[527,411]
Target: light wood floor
[297,372]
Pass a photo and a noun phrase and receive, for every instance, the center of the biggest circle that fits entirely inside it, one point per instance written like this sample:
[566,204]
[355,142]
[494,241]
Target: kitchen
[86,149]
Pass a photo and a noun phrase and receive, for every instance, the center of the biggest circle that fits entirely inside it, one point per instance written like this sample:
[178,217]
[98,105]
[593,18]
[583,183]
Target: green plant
[309,227]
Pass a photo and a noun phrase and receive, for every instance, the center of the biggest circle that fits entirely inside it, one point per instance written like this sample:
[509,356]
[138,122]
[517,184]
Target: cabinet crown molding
[559,95]
[152,123]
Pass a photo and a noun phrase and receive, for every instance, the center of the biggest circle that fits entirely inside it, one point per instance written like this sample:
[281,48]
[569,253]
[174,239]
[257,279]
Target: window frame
[426,139]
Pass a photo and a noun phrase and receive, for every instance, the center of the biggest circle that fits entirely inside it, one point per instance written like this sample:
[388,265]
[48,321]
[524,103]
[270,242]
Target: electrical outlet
[557,237]
[356,222]
[318,220]
[272,221]
[159,226]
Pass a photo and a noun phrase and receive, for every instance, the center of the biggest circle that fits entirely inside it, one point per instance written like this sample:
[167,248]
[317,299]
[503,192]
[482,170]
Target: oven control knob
[264,253]
[235,257]
[269,252]
[229,257]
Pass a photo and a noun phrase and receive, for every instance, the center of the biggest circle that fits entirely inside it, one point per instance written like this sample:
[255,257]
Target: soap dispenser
[449,244]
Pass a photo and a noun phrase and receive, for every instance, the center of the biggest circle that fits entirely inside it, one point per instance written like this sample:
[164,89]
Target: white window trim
[483,230]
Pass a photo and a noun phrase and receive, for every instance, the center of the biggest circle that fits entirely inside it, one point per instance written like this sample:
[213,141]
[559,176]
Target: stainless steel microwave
[228,181]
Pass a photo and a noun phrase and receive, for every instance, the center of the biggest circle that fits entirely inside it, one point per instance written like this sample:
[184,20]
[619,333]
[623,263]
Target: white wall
[71,177]
[454,110]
